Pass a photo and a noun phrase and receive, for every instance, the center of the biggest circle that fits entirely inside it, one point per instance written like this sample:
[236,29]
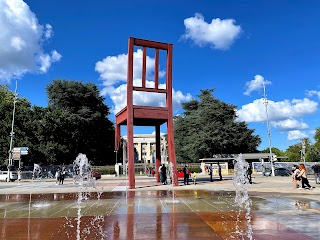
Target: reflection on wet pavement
[188,214]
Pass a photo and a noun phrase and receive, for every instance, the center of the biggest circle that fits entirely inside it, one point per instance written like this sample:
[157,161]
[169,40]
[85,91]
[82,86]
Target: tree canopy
[208,126]
[75,121]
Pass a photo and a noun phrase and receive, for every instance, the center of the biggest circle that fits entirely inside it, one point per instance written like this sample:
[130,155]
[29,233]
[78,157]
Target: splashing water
[242,198]
[83,176]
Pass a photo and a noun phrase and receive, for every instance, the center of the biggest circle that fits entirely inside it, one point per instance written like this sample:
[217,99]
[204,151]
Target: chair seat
[144,116]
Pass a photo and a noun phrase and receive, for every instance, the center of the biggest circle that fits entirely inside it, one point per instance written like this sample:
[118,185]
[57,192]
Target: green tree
[274,150]
[23,134]
[209,127]
[293,153]
[317,139]
[76,121]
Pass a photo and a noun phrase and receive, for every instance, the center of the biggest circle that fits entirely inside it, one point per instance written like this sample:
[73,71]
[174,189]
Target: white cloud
[289,124]
[313,93]
[113,72]
[48,31]
[21,41]
[219,34]
[277,111]
[296,134]
[256,84]
[119,95]
[113,69]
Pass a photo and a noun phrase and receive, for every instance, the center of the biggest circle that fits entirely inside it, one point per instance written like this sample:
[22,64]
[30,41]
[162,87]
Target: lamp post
[303,151]
[116,156]
[268,129]
[10,162]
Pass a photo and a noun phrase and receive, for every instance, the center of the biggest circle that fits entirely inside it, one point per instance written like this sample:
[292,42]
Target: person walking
[62,176]
[58,174]
[186,175]
[160,173]
[194,178]
[19,175]
[304,180]
[295,176]
[164,174]
[249,173]
[219,171]
[210,172]
[316,171]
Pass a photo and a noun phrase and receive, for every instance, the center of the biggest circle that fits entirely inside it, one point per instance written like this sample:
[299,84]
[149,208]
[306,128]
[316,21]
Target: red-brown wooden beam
[156,70]
[130,147]
[150,44]
[144,66]
[171,147]
[149,90]
[158,152]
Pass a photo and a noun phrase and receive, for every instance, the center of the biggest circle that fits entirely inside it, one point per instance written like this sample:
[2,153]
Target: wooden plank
[151,44]
[144,66]
[144,89]
[156,70]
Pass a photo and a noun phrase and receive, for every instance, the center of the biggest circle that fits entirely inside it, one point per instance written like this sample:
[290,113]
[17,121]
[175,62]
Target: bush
[106,171]
[195,169]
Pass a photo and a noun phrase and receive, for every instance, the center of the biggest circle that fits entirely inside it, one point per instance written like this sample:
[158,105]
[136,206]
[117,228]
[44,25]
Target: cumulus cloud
[296,134]
[113,69]
[256,84]
[311,93]
[21,42]
[289,125]
[219,34]
[277,111]
[113,73]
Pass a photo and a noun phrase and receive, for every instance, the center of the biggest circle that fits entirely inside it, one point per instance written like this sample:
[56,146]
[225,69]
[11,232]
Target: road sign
[16,155]
[16,149]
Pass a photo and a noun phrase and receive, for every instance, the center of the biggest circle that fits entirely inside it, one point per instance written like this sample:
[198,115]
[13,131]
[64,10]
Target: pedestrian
[160,173]
[295,176]
[186,175]
[19,175]
[194,178]
[164,174]
[152,172]
[304,180]
[316,171]
[58,173]
[249,173]
[210,172]
[62,176]
[219,171]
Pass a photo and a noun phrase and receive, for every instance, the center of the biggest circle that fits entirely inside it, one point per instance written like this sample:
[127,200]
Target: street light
[268,129]
[116,156]
[10,162]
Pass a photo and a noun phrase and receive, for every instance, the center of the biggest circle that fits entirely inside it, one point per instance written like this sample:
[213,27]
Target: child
[194,178]
[295,178]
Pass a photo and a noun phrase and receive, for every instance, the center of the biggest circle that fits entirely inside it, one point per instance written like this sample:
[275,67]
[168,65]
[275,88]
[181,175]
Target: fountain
[83,176]
[242,199]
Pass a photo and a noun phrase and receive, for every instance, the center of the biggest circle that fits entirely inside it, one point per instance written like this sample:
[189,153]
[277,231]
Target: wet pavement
[43,210]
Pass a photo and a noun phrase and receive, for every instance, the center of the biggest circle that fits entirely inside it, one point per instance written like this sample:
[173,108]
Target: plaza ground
[44,210]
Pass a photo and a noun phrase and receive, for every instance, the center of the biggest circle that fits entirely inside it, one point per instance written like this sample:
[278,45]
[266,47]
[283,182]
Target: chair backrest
[157,46]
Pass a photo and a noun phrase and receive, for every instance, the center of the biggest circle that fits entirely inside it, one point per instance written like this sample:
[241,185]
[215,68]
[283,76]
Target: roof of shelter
[246,156]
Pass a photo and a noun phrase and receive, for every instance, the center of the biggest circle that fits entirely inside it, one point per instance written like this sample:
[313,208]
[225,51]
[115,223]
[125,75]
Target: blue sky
[232,46]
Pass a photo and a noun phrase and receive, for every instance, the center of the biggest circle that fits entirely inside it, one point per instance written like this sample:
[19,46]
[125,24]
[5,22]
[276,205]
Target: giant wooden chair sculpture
[133,115]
